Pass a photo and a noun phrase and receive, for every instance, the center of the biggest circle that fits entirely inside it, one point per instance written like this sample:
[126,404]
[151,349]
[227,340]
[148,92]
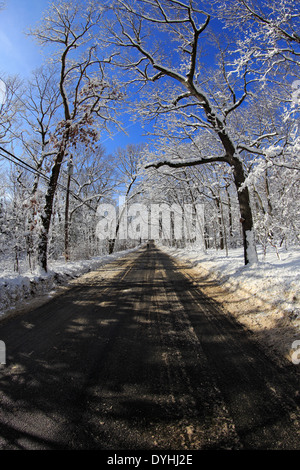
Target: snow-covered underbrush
[16,288]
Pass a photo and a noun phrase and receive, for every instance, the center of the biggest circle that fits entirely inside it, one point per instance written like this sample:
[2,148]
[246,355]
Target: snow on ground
[275,280]
[265,296]
[16,288]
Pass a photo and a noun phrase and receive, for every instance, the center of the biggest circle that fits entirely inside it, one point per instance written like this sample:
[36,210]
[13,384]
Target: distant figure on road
[150,244]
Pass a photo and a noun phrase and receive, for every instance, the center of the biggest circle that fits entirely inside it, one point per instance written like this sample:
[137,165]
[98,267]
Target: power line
[29,167]
[33,170]
[18,164]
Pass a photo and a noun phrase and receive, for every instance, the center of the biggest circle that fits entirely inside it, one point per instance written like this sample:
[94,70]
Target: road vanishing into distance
[135,357]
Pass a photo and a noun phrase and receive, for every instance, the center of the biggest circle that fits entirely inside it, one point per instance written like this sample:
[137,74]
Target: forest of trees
[215,84]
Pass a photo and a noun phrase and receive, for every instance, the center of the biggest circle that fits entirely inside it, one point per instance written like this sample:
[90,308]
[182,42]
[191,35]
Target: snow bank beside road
[274,280]
[16,288]
[265,297]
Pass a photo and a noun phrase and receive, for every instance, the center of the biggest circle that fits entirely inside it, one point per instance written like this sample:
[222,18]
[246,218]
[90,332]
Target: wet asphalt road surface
[140,360]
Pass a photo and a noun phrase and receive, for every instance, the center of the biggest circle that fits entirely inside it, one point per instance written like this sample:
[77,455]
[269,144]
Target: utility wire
[22,164]
[26,166]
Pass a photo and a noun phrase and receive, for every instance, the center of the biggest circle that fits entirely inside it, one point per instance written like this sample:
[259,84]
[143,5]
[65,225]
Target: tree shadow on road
[127,364]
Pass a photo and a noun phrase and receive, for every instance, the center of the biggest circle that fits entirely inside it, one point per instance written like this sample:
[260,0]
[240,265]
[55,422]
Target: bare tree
[128,163]
[10,106]
[72,32]
[90,178]
[272,28]
[40,116]
[182,24]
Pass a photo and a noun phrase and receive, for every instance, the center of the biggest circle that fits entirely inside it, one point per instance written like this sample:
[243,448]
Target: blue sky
[20,54]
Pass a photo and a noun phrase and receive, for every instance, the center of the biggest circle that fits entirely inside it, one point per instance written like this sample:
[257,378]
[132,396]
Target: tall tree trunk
[250,255]
[67,221]
[67,254]
[229,213]
[48,210]
[220,224]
